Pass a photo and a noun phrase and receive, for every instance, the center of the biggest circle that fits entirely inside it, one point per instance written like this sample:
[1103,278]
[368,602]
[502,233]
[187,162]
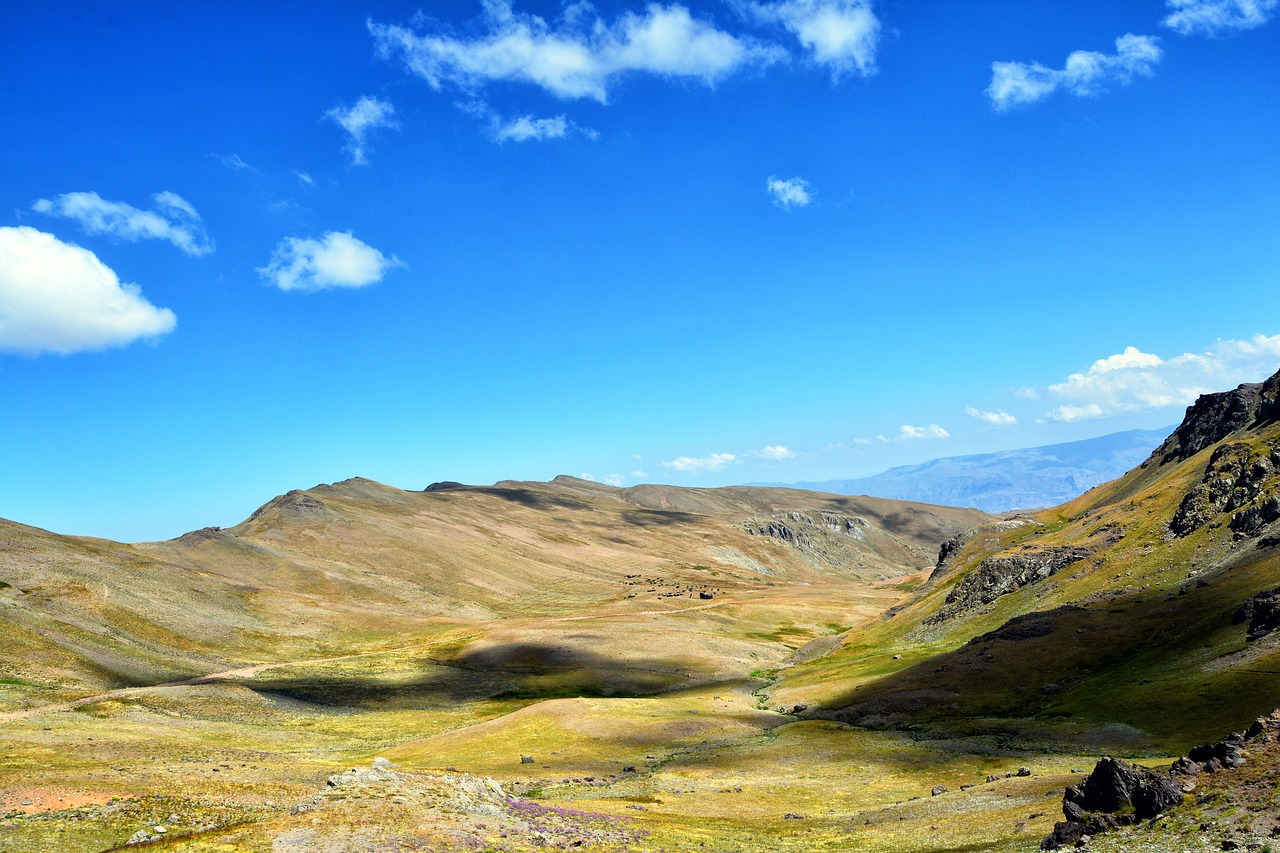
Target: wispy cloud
[773,453]
[786,194]
[1134,381]
[172,219]
[840,34]
[702,464]
[914,433]
[305,178]
[577,55]
[1001,418]
[719,461]
[1218,17]
[359,120]
[1085,73]
[234,162]
[335,260]
[527,128]
[57,297]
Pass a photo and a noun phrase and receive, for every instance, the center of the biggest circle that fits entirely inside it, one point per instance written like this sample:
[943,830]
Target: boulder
[1115,794]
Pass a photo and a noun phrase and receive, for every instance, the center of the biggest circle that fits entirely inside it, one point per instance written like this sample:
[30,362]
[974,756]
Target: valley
[572,665]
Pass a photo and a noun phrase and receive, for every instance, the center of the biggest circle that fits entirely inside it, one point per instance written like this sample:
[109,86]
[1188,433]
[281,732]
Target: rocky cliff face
[1238,477]
[1213,417]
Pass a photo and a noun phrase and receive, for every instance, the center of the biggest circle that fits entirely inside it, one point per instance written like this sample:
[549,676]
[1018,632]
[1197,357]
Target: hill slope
[1011,479]
[322,571]
[1119,619]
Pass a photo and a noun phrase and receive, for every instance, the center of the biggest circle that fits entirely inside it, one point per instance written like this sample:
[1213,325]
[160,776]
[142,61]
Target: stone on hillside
[938,790]
[1215,756]
[1114,786]
[382,763]
[1115,794]
[1262,612]
[526,759]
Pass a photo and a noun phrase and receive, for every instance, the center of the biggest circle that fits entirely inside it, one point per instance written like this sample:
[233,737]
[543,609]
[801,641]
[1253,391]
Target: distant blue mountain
[1011,479]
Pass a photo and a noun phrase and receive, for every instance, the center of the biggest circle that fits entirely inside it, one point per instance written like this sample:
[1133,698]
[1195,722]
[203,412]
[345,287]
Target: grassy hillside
[567,665]
[1106,622]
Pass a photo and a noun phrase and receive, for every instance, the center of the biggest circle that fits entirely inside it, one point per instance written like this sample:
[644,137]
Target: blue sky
[246,248]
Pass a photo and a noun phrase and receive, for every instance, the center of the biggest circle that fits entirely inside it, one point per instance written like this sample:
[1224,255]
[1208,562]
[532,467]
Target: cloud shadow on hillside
[506,671]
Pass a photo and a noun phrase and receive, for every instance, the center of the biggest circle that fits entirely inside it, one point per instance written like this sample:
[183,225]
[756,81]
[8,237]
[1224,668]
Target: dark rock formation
[1262,612]
[1004,573]
[1236,477]
[1115,794]
[1212,757]
[1213,417]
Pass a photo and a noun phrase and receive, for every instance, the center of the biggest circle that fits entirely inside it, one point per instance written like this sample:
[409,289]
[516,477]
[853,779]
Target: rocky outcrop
[802,529]
[1005,573]
[835,539]
[1262,612]
[1213,417]
[1115,794]
[1238,477]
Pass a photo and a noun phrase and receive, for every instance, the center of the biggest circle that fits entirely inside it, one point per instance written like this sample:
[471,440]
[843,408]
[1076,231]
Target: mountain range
[568,665]
[1028,478]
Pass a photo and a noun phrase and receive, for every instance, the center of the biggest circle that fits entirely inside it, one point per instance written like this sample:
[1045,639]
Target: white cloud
[1134,381]
[639,475]
[58,297]
[527,127]
[577,55]
[840,34]
[305,178]
[612,479]
[336,260]
[234,162]
[1218,17]
[1001,418]
[173,219]
[699,464]
[774,453]
[911,433]
[789,193]
[366,115]
[1085,73]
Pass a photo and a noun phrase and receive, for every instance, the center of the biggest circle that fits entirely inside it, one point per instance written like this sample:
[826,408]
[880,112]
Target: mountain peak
[1213,417]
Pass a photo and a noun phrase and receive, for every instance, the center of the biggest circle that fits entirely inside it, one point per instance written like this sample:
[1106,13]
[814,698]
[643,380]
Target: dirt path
[255,669]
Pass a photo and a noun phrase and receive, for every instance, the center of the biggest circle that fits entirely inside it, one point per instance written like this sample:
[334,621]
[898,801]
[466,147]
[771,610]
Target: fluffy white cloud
[789,193]
[335,260]
[57,297]
[841,34]
[1218,17]
[172,219]
[577,55]
[699,464]
[358,120]
[1085,72]
[1134,381]
[997,418]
